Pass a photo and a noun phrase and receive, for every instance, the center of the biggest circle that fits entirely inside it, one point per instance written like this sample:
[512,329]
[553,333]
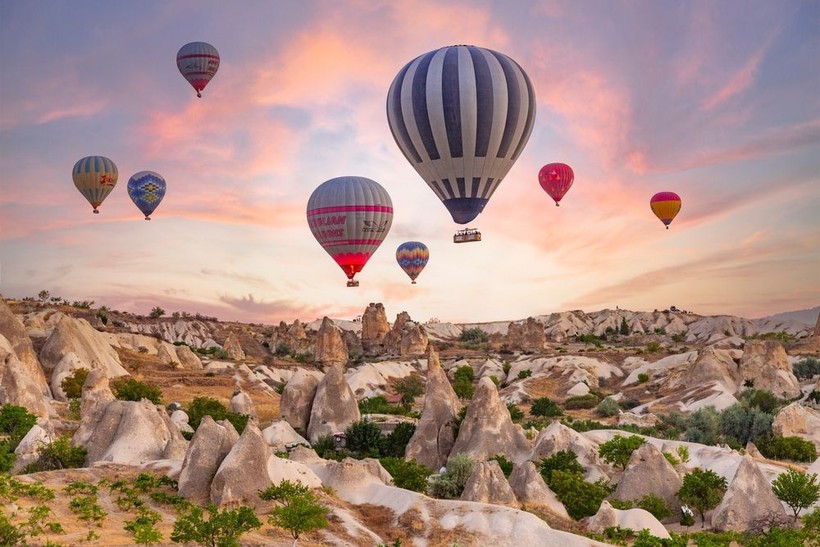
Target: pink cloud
[739,82]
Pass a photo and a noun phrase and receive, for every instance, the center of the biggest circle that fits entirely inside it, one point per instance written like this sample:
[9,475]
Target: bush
[590,400]
[516,414]
[207,406]
[222,529]
[608,407]
[655,505]
[407,474]
[745,424]
[505,464]
[787,448]
[703,426]
[581,498]
[474,336]
[409,388]
[127,388]
[543,406]
[464,373]
[761,399]
[9,533]
[363,437]
[374,405]
[643,378]
[703,490]
[563,460]
[58,454]
[7,458]
[814,396]
[450,484]
[15,422]
[156,312]
[590,339]
[395,444]
[525,373]
[807,368]
[463,389]
[300,511]
[72,385]
[618,450]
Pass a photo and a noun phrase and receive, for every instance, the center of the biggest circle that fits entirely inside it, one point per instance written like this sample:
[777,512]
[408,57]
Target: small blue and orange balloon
[146,190]
[412,256]
[95,177]
[666,206]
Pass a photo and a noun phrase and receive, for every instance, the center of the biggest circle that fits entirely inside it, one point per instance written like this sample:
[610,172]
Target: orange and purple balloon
[412,257]
[666,206]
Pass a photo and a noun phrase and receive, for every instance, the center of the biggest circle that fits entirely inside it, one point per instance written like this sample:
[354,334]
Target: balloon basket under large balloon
[557,204]
[147,217]
[352,283]
[96,211]
[198,94]
[466,236]
[412,282]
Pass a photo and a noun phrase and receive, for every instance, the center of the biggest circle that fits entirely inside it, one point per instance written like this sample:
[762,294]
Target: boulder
[406,337]
[649,472]
[350,474]
[233,348]
[92,348]
[167,356]
[557,437]
[330,347]
[20,345]
[241,403]
[180,419]
[334,406]
[632,519]
[209,446]
[297,398]
[531,491]
[243,472]
[749,502]
[528,336]
[28,450]
[374,328]
[798,420]
[434,437]
[487,484]
[640,420]
[487,429]
[96,396]
[280,435]
[766,362]
[188,359]
[18,386]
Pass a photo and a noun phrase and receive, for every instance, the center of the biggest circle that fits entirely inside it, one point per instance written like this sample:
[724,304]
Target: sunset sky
[716,100]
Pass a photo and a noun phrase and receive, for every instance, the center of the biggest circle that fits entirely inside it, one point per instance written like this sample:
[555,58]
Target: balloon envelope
[665,205]
[461,115]
[198,62]
[412,256]
[556,179]
[146,190]
[95,177]
[350,217]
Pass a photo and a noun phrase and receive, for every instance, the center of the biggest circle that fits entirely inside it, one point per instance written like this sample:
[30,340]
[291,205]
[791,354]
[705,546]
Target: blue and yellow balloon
[95,177]
[146,190]
[412,256]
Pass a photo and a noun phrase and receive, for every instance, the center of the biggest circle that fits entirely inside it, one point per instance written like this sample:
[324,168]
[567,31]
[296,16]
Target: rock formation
[528,336]
[334,406]
[209,446]
[243,472]
[167,356]
[350,473]
[797,420]
[91,348]
[649,472]
[233,348]
[529,487]
[29,448]
[330,348]
[487,484]
[20,345]
[241,403]
[435,435]
[18,386]
[280,435]
[180,419]
[187,358]
[713,365]
[374,328]
[406,337]
[749,502]
[765,362]
[633,519]
[297,398]
[557,437]
[487,429]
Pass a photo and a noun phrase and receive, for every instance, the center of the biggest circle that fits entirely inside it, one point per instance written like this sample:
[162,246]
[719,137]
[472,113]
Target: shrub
[395,444]
[670,458]
[590,400]
[703,490]
[563,460]
[450,484]
[581,498]
[282,349]
[222,529]
[655,505]
[474,336]
[703,426]
[516,414]
[608,407]
[643,378]
[787,448]
[618,450]
[465,373]
[525,373]
[407,474]
[543,406]
[653,347]
[796,489]
[142,527]
[363,437]
[156,312]
[374,405]
[207,406]
[7,457]
[88,508]
[745,424]
[9,533]
[58,454]
[409,388]
[590,339]
[463,389]
[505,464]
[300,511]
[623,330]
[72,385]
[761,399]
[127,388]
[807,368]
[15,422]
[814,396]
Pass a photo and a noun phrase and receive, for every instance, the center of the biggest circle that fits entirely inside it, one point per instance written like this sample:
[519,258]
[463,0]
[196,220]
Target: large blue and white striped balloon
[461,115]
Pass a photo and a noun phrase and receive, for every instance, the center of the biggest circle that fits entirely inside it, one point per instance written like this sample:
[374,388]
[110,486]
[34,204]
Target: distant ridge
[807,316]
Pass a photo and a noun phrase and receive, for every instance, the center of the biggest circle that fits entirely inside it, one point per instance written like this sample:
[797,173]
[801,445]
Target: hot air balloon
[146,190]
[198,62]
[95,177]
[556,179]
[665,205]
[350,217]
[461,115]
[412,256]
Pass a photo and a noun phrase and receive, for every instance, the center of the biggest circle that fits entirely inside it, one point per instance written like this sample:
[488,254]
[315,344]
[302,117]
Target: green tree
[407,474]
[581,498]
[618,449]
[450,484]
[58,454]
[221,529]
[787,448]
[300,511]
[624,329]
[395,444]
[363,437]
[563,460]
[474,336]
[72,385]
[128,388]
[15,422]
[703,490]
[703,426]
[608,407]
[156,312]
[7,457]
[409,388]
[796,489]
[543,406]
[207,406]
